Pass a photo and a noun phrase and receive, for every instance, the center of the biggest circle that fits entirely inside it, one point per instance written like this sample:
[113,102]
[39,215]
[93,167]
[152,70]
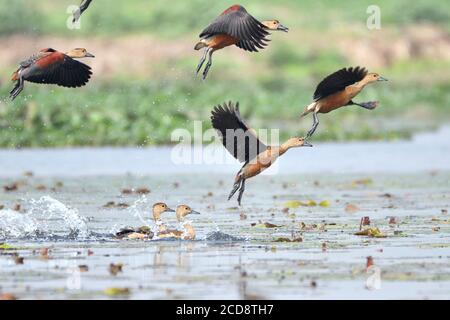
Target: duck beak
[282,28]
[170,210]
[380,78]
[195,212]
[307,144]
[89,55]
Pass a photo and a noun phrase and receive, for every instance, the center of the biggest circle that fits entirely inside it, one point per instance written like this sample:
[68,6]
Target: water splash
[47,218]
[16,225]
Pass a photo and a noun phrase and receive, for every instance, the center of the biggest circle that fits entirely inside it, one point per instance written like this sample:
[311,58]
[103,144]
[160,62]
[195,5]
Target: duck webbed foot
[366,105]
[17,89]
[202,61]
[314,126]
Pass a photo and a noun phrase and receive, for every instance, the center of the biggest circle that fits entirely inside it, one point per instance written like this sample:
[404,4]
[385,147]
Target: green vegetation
[126,108]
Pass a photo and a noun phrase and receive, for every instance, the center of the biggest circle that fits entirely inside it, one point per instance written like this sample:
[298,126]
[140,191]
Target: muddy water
[235,254]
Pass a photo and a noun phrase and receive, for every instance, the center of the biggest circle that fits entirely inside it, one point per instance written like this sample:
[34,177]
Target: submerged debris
[114,269]
[351,208]
[112,204]
[83,268]
[7,296]
[17,259]
[392,220]
[365,221]
[11,187]
[369,262]
[141,191]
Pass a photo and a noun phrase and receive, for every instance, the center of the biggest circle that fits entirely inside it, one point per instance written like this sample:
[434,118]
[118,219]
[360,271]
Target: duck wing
[237,137]
[238,23]
[57,68]
[338,81]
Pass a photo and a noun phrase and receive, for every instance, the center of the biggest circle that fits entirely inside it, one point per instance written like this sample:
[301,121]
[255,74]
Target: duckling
[337,90]
[83,6]
[243,144]
[188,233]
[235,26]
[49,66]
[145,232]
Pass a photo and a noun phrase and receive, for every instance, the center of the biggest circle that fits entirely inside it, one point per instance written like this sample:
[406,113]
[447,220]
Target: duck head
[373,77]
[274,25]
[79,53]
[184,210]
[159,208]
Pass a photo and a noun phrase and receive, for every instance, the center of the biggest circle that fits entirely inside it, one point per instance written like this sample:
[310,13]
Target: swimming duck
[235,26]
[83,6]
[188,232]
[243,144]
[337,90]
[145,232]
[49,66]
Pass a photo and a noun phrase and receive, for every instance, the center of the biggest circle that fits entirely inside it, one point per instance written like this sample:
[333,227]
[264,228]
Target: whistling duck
[243,144]
[235,26]
[188,232]
[338,89]
[145,232]
[83,6]
[49,66]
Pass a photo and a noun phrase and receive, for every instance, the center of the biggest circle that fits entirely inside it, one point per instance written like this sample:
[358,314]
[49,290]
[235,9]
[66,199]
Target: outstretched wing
[70,73]
[338,81]
[237,137]
[238,23]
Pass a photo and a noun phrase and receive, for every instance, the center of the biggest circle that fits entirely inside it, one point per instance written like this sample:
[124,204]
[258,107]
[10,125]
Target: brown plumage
[145,232]
[188,232]
[235,26]
[338,89]
[49,66]
[243,144]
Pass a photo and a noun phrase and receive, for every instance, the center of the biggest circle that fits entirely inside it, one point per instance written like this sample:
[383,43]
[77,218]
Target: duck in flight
[235,26]
[243,144]
[338,90]
[49,66]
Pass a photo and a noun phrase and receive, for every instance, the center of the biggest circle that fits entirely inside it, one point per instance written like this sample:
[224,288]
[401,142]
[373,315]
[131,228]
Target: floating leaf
[294,204]
[371,232]
[5,246]
[117,291]
[362,182]
[311,203]
[299,239]
[324,203]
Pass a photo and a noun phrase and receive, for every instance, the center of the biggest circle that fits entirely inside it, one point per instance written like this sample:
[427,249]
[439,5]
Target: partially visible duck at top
[235,26]
[338,90]
[77,13]
[187,232]
[49,66]
[145,232]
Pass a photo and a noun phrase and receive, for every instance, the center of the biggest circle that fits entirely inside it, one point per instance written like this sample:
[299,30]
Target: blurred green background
[144,85]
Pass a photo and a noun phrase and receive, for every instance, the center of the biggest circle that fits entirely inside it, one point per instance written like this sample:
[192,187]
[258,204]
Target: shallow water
[231,258]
